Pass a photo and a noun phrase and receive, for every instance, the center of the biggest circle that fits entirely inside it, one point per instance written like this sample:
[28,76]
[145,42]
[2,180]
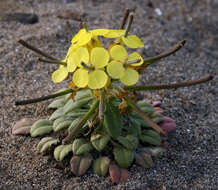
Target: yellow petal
[80,78]
[81,55]
[99,57]
[132,41]
[130,77]
[84,39]
[71,64]
[97,79]
[118,53]
[114,33]
[115,69]
[95,42]
[60,74]
[78,35]
[99,32]
[71,50]
[135,56]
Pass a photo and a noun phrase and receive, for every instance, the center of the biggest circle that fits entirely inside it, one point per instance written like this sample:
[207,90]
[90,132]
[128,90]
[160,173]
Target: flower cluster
[93,66]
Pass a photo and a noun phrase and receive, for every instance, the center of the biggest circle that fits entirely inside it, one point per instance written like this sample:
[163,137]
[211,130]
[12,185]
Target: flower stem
[129,24]
[170,86]
[25,44]
[52,62]
[144,116]
[125,16]
[172,50]
[129,62]
[81,123]
[101,106]
[24,102]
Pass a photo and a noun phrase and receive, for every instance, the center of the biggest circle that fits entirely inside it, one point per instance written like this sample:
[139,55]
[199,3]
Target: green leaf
[81,146]
[83,94]
[123,157]
[101,166]
[58,113]
[134,127]
[112,120]
[99,141]
[56,104]
[71,105]
[151,137]
[130,142]
[80,164]
[41,127]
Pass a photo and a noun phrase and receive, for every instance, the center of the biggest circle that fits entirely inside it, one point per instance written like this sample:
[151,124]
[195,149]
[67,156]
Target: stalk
[30,101]
[31,47]
[170,86]
[145,117]
[82,122]
[166,53]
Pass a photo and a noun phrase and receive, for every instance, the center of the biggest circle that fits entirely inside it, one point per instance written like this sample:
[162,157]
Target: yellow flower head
[122,65]
[83,37]
[60,74]
[90,70]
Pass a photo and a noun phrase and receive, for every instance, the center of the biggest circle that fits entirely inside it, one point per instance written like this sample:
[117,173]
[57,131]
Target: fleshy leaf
[112,120]
[123,157]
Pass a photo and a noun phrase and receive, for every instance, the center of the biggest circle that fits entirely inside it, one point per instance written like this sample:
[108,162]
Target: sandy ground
[190,161]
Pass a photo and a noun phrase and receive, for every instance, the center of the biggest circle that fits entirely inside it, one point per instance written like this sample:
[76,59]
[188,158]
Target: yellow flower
[90,71]
[131,41]
[83,37]
[122,65]
[60,74]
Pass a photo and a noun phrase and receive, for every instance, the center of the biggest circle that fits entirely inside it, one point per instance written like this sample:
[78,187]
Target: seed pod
[143,159]
[41,127]
[101,166]
[130,142]
[99,141]
[151,137]
[80,164]
[81,146]
[61,151]
[45,144]
[124,174]
[123,157]
[22,127]
[114,172]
